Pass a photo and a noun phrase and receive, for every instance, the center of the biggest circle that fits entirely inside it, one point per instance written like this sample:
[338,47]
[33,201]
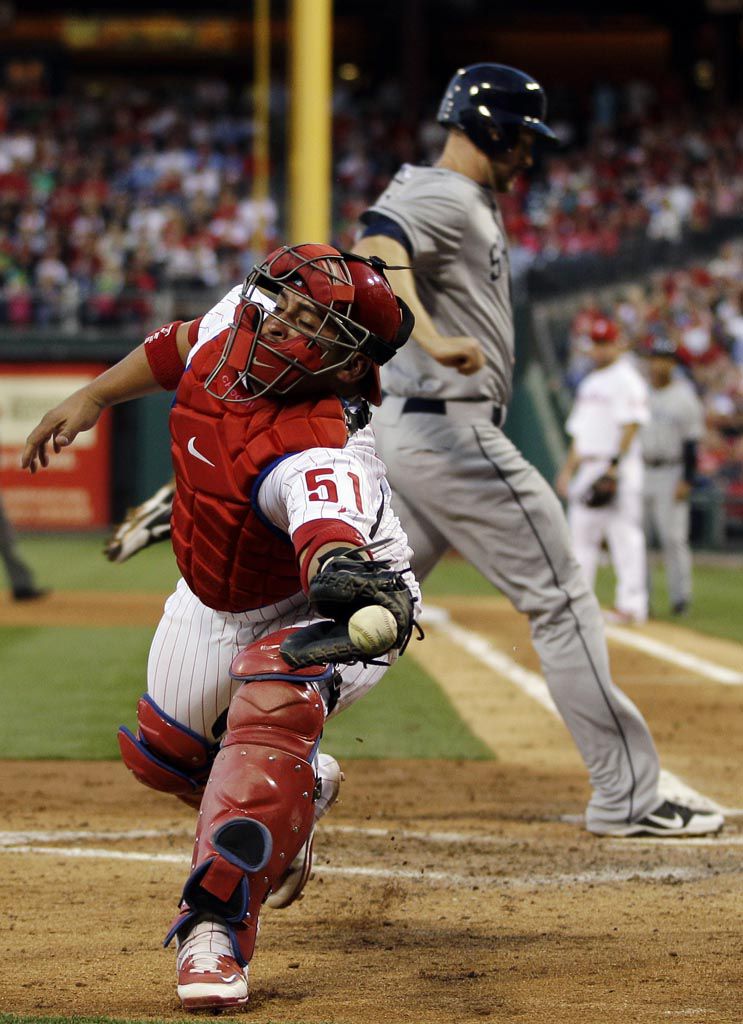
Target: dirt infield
[443,892]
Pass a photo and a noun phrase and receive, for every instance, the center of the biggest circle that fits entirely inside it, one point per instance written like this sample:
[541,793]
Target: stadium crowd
[699,309]
[109,193]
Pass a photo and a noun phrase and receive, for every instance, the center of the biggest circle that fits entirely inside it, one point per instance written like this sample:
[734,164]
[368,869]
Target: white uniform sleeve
[631,404]
[324,483]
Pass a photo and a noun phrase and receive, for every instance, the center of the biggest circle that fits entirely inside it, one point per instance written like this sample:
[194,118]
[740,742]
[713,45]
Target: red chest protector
[227,555]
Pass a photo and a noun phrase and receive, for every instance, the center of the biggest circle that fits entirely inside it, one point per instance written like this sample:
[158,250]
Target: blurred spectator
[113,169]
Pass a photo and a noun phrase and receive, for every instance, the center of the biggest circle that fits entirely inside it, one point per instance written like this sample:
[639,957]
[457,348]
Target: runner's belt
[441,407]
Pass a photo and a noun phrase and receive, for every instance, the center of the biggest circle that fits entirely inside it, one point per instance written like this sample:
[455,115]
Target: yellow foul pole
[310,121]
[261,136]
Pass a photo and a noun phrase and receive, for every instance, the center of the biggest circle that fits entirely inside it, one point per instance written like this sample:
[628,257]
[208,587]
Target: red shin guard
[257,810]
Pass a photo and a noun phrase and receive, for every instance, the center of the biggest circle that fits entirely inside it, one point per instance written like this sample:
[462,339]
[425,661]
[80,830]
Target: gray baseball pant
[459,482]
[669,520]
[20,575]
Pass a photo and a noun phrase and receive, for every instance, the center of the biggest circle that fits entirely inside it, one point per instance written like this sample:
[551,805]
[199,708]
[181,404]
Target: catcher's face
[292,315]
[292,332]
[298,348]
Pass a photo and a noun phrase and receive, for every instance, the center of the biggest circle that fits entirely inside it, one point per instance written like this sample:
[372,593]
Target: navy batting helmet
[483,97]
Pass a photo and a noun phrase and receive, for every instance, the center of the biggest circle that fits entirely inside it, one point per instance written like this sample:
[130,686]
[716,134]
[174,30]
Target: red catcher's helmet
[604,331]
[346,306]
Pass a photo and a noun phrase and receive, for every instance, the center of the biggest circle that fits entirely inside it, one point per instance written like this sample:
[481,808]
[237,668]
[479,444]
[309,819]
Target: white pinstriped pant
[188,671]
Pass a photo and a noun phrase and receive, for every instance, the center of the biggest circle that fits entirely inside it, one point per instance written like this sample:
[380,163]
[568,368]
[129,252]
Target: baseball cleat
[616,617]
[671,820]
[30,593]
[209,976]
[211,981]
[146,524]
[290,886]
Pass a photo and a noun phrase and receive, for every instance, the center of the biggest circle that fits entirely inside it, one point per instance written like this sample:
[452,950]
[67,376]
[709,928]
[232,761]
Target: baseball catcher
[280,509]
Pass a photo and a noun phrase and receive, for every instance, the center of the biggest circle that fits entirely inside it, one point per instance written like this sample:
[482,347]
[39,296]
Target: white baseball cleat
[209,976]
[616,617]
[671,820]
[290,886]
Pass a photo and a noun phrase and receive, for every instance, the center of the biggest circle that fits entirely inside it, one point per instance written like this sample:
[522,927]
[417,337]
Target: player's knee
[166,755]
[277,706]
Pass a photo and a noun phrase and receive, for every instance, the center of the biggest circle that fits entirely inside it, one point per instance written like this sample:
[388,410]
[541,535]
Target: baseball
[372,629]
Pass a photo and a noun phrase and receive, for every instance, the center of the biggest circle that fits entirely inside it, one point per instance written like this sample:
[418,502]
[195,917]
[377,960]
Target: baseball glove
[347,582]
[146,524]
[602,492]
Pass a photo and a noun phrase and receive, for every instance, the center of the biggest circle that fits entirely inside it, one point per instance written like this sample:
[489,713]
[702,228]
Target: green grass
[718,594]
[405,715]
[64,691]
[76,562]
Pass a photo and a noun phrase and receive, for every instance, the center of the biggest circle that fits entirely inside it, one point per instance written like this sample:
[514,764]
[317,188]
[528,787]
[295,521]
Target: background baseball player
[669,446]
[22,582]
[457,479]
[603,475]
[278,487]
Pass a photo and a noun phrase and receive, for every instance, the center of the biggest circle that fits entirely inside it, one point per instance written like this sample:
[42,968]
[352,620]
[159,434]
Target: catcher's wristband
[161,349]
[312,536]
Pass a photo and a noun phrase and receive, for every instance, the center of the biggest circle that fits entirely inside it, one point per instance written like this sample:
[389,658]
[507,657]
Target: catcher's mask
[306,310]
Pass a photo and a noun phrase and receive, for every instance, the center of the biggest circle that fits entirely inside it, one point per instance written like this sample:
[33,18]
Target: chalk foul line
[534,686]
[597,877]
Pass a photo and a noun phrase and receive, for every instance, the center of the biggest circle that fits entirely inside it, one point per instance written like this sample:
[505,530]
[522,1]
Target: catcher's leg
[166,755]
[256,814]
[290,887]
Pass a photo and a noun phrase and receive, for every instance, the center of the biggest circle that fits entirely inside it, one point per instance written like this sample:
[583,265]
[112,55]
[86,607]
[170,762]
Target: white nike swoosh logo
[675,822]
[197,454]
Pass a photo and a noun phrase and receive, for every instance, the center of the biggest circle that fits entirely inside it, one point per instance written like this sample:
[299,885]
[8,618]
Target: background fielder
[610,406]
[669,447]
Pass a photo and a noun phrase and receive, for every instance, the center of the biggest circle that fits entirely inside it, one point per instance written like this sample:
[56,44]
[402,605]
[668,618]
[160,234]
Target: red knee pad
[166,755]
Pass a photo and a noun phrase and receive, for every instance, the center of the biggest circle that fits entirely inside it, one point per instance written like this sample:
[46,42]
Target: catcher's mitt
[602,492]
[146,524]
[345,583]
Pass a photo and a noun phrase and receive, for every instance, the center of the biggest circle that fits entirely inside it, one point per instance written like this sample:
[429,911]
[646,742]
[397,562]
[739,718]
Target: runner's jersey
[676,416]
[460,260]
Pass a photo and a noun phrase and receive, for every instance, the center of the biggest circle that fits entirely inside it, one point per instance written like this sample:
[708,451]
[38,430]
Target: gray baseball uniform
[676,416]
[459,482]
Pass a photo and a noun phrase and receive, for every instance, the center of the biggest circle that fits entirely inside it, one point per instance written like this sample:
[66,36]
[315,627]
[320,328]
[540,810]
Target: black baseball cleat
[671,820]
[29,593]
